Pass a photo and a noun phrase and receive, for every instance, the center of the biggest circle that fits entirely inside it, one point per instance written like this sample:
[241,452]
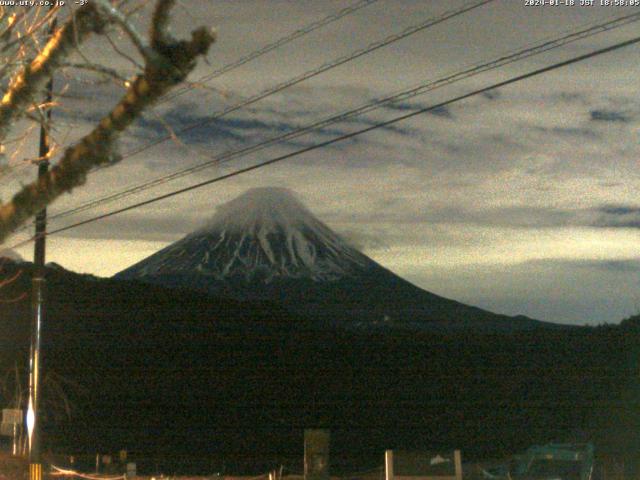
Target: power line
[257,53]
[274,45]
[404,95]
[430,22]
[347,136]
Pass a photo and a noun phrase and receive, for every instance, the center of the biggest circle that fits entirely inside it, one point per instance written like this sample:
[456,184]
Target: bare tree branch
[119,18]
[168,65]
[121,53]
[97,68]
[159,26]
[33,77]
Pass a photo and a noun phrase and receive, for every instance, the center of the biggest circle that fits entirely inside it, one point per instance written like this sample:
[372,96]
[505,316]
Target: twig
[34,76]
[121,53]
[159,26]
[169,66]
[97,68]
[118,17]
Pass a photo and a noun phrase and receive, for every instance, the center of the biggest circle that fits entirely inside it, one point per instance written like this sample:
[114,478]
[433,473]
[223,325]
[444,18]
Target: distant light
[31,421]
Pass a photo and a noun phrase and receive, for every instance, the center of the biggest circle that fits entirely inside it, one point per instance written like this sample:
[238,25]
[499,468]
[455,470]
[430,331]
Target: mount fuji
[266,245]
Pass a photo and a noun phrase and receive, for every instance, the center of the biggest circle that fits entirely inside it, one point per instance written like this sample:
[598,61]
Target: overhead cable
[430,22]
[347,136]
[404,95]
[273,46]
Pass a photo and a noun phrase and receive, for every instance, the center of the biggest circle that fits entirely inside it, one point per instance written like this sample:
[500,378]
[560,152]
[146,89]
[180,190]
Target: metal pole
[14,447]
[38,283]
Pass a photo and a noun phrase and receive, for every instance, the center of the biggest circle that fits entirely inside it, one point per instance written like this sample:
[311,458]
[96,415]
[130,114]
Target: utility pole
[38,298]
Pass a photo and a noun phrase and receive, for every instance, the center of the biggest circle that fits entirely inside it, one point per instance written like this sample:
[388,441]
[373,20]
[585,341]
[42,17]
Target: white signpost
[131,470]
[11,426]
[422,465]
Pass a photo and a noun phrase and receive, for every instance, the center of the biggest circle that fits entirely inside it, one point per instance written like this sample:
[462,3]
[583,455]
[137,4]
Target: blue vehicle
[554,461]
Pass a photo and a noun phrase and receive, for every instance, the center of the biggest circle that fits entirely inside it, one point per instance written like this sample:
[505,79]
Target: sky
[520,201]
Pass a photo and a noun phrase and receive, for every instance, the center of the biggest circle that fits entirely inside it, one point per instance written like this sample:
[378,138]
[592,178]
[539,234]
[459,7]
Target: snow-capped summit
[263,208]
[266,245]
[264,234]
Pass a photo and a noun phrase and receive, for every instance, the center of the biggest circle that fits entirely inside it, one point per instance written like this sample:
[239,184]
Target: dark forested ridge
[157,370]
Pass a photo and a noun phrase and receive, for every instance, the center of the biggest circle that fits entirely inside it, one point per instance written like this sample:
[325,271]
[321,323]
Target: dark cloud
[401,107]
[606,216]
[504,140]
[617,216]
[571,97]
[614,266]
[620,210]
[611,184]
[369,122]
[580,132]
[570,263]
[257,126]
[407,212]
[491,95]
[609,116]
[442,111]
[565,264]
[522,217]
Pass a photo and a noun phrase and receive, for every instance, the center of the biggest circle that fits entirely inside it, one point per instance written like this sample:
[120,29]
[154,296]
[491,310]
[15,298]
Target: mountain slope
[266,245]
[261,236]
[181,377]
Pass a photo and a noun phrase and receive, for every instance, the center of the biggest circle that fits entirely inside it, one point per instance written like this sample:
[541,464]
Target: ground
[12,468]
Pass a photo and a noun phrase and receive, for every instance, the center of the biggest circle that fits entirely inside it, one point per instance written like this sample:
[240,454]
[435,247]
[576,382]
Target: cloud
[617,216]
[364,239]
[149,225]
[557,290]
[540,169]
[568,131]
[615,266]
[612,266]
[491,94]
[10,254]
[442,111]
[609,116]
[466,158]
[195,125]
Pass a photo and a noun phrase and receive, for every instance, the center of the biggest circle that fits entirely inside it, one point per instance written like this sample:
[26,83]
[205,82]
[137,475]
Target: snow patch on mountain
[264,234]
